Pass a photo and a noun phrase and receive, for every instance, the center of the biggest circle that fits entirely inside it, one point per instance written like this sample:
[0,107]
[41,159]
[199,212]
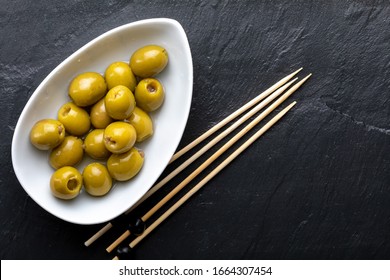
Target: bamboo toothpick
[218,153]
[98,234]
[211,144]
[211,175]
[221,150]
[118,241]
[196,142]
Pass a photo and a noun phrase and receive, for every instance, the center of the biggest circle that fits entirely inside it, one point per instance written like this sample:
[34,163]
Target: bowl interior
[31,165]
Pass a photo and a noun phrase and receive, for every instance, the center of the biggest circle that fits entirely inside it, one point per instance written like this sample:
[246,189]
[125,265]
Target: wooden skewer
[211,144]
[211,175]
[98,234]
[221,150]
[233,116]
[200,139]
[118,241]
[214,157]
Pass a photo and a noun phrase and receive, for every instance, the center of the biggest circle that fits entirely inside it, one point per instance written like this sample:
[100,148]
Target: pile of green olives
[105,118]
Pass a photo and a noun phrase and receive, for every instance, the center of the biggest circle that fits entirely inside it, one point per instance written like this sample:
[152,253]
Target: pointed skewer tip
[297,71]
[290,106]
[307,77]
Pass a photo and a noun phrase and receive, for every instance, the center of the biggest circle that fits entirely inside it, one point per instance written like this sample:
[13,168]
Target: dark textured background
[316,186]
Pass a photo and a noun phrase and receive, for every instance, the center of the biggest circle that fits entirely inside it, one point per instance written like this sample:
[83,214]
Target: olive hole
[72,184]
[60,129]
[110,140]
[66,111]
[151,87]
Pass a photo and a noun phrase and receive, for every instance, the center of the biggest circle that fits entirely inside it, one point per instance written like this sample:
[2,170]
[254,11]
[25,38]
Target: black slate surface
[316,186]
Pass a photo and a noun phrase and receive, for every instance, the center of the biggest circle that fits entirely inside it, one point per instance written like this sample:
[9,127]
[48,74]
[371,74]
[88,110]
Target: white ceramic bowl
[31,165]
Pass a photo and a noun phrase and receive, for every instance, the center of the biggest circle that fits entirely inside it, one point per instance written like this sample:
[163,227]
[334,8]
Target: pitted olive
[119,102]
[66,183]
[99,116]
[87,88]
[47,134]
[148,61]
[97,180]
[94,145]
[119,73]
[68,153]
[123,167]
[75,119]
[142,123]
[119,137]
[149,94]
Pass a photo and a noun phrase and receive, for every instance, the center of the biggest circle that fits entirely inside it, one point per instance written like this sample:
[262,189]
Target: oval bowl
[31,165]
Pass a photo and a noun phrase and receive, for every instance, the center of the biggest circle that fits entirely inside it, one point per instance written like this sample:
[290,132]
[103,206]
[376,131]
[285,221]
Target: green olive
[119,137]
[99,116]
[119,73]
[47,134]
[87,88]
[123,167]
[149,94]
[119,102]
[94,145]
[68,153]
[142,123]
[66,182]
[148,61]
[97,180]
[75,119]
